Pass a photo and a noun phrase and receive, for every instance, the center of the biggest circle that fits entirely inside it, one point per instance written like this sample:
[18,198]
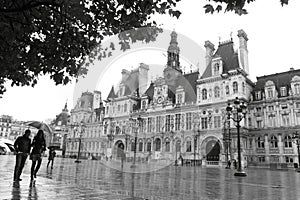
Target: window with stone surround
[235,87]
[227,90]
[204,124]
[297,88]
[177,122]
[273,142]
[217,92]
[217,121]
[204,94]
[167,145]
[257,95]
[285,120]
[288,141]
[260,143]
[283,92]
[189,146]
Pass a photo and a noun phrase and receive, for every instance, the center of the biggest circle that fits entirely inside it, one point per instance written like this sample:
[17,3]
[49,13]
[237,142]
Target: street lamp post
[195,144]
[228,143]
[135,128]
[296,138]
[82,129]
[238,110]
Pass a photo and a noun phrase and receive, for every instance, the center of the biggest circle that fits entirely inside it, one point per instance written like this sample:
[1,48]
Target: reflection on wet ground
[92,180]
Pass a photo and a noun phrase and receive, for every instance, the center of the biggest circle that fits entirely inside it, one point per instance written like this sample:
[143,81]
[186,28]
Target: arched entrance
[118,149]
[212,151]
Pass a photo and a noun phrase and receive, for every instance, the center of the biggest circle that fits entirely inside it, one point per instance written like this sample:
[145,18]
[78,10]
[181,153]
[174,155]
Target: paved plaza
[92,179]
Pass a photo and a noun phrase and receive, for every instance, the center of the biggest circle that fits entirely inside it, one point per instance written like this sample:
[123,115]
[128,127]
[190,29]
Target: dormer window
[297,88]
[179,98]
[270,93]
[216,69]
[283,92]
[257,95]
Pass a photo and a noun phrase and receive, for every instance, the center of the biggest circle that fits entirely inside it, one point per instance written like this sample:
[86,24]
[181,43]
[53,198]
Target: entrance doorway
[119,149]
[212,151]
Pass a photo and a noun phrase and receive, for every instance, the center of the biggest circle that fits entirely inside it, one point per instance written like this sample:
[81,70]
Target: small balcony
[288,151]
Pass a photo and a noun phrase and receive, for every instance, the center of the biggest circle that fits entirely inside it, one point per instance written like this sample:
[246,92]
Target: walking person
[22,146]
[39,146]
[51,157]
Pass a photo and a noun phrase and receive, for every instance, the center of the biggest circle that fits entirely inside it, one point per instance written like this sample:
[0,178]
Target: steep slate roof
[228,56]
[112,94]
[150,91]
[280,80]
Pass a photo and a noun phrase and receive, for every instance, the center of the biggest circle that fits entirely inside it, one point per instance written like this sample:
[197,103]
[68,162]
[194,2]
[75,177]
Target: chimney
[125,74]
[143,78]
[243,55]
[210,48]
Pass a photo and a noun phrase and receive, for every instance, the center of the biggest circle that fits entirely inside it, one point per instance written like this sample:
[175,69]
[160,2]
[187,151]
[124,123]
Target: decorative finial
[231,35]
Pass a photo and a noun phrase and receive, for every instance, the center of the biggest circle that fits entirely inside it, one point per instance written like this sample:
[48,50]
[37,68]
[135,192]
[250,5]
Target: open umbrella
[40,125]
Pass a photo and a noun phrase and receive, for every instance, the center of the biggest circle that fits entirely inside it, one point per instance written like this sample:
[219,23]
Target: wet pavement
[93,180]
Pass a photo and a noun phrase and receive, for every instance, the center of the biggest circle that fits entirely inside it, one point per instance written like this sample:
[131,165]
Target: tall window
[243,87]
[274,142]
[270,93]
[297,89]
[217,92]
[140,146]
[285,120]
[188,146]
[125,107]
[235,87]
[149,124]
[257,95]
[179,98]
[227,90]
[217,121]
[167,145]
[288,141]
[188,121]
[216,68]
[258,124]
[158,123]
[168,122]
[204,94]
[177,122]
[272,120]
[204,122]
[148,146]
[260,143]
[283,92]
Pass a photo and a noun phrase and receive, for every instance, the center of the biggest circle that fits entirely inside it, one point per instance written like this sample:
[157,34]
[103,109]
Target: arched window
[157,144]
[227,90]
[204,94]
[217,92]
[235,87]
[274,142]
[288,141]
[148,146]
[140,146]
[167,145]
[125,107]
[132,145]
[188,146]
[260,143]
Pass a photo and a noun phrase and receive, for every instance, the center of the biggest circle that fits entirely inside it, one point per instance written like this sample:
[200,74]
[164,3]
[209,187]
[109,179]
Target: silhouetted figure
[235,164]
[22,146]
[51,157]
[39,146]
[228,163]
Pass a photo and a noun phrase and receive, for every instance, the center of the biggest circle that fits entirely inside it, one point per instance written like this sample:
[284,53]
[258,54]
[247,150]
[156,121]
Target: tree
[236,6]
[58,37]
[61,37]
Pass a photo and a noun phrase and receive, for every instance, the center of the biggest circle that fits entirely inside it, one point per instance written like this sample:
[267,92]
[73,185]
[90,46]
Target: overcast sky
[273,44]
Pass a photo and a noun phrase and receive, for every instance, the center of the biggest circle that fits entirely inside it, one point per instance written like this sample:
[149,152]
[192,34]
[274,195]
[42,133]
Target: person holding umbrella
[39,146]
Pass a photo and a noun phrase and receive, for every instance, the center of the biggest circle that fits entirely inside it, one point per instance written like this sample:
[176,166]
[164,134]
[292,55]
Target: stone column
[267,148]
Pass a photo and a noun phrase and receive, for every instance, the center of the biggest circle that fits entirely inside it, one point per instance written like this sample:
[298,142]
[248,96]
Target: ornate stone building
[274,116]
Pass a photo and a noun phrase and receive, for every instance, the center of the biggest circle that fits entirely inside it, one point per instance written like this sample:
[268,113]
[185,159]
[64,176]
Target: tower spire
[173,52]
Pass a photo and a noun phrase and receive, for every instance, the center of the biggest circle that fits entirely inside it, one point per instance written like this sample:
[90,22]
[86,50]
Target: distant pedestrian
[229,164]
[51,157]
[235,164]
[22,146]
[39,146]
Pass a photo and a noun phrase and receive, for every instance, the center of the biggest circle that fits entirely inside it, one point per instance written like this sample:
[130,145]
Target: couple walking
[23,146]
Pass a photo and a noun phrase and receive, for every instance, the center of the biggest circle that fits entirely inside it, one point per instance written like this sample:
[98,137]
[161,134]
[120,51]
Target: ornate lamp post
[196,135]
[227,142]
[239,112]
[81,131]
[136,127]
[296,138]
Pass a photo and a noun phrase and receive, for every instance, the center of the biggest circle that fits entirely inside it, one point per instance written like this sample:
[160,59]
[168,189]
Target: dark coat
[38,146]
[22,144]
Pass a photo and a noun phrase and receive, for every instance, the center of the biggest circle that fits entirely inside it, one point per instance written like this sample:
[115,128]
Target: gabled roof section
[150,91]
[229,57]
